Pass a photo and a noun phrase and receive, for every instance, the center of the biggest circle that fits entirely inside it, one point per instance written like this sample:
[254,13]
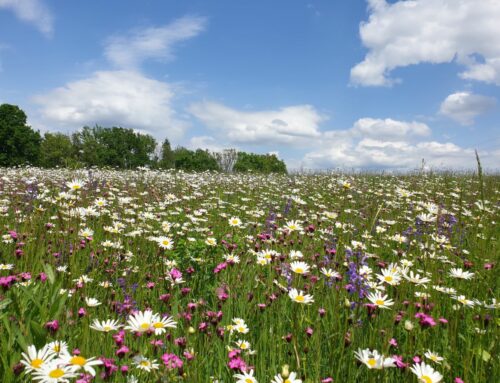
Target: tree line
[114,147]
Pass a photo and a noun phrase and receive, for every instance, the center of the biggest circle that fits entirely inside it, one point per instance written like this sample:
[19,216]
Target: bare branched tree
[226,159]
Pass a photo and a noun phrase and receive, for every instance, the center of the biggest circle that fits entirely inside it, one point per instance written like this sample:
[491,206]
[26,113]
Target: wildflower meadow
[166,276]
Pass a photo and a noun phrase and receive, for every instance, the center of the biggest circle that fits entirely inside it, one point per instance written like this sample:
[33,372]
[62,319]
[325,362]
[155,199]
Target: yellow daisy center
[144,363]
[158,325]
[76,187]
[107,328]
[287,381]
[57,348]
[299,270]
[57,373]
[78,361]
[388,278]
[145,326]
[299,298]
[425,379]
[166,242]
[371,362]
[248,380]
[379,302]
[36,363]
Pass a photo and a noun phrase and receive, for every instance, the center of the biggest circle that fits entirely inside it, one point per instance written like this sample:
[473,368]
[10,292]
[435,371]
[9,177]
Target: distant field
[147,276]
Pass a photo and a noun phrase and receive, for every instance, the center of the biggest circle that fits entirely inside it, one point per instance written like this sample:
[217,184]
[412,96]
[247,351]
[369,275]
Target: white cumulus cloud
[206,142]
[463,107]
[113,98]
[126,96]
[430,31]
[129,50]
[389,129]
[32,11]
[400,145]
[288,125]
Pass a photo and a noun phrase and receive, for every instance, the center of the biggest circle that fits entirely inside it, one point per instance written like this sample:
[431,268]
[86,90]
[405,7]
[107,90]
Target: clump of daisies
[54,363]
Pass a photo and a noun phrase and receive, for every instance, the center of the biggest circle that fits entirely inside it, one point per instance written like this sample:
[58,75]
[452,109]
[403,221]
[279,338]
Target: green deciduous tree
[199,160]
[116,147]
[56,150]
[260,163]
[19,144]
[167,158]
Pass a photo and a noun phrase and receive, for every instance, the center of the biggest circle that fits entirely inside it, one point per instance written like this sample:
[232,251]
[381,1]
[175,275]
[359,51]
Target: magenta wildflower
[172,361]
[122,351]
[52,326]
[6,282]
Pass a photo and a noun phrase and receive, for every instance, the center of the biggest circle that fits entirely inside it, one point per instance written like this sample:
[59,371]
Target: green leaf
[50,273]
[485,355]
[5,303]
[38,332]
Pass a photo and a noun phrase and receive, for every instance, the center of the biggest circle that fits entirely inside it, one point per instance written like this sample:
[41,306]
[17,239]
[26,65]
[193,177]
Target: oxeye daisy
[460,274]
[100,202]
[161,323]
[235,222]
[232,258]
[380,300]
[329,273]
[300,297]
[294,254]
[165,242]
[92,302]
[241,328]
[242,344]
[262,261]
[292,378]
[245,377]
[389,276]
[299,267]
[105,326]
[415,278]
[75,184]
[425,373]
[293,226]
[433,356]
[374,360]
[463,300]
[211,241]
[238,321]
[140,322]
[268,254]
[86,233]
[58,347]
[145,364]
[35,359]
[78,362]
[54,372]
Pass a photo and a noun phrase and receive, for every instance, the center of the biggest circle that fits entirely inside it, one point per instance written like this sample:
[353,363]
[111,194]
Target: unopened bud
[284,371]
[408,325]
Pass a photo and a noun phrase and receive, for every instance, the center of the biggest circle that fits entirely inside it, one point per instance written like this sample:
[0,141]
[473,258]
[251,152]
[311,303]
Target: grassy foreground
[145,276]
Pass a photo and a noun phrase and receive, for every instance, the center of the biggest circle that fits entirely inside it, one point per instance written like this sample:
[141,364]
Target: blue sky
[354,84]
